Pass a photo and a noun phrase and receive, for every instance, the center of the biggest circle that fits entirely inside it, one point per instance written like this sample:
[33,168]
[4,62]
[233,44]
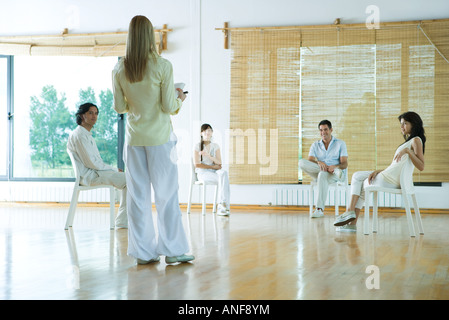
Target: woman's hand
[181,94]
[399,155]
[204,153]
[373,176]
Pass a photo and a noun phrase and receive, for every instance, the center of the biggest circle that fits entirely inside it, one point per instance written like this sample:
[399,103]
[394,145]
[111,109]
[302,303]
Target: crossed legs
[323,178]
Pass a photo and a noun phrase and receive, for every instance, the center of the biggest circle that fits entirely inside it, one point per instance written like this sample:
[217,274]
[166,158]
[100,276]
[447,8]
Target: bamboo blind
[90,44]
[360,79]
[264,107]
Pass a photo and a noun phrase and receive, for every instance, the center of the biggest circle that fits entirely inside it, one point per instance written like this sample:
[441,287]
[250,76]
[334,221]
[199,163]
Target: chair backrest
[406,178]
[75,167]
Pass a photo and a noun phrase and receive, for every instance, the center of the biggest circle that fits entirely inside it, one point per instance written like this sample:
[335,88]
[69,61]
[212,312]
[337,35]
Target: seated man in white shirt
[93,171]
[327,160]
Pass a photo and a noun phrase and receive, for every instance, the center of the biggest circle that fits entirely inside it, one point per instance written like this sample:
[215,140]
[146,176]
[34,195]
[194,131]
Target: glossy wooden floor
[255,253]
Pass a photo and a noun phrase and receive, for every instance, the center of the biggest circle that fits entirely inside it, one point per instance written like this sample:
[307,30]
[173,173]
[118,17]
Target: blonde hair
[140,45]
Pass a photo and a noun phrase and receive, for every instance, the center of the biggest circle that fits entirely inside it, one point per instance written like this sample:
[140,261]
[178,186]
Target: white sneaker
[345,218]
[222,211]
[121,221]
[318,213]
[181,258]
[347,228]
[141,261]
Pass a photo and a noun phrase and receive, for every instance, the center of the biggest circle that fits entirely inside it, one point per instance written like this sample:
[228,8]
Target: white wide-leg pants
[118,180]
[146,167]
[323,178]
[221,177]
[360,181]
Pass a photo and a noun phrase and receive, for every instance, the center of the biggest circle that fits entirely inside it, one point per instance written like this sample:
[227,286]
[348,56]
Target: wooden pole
[225,31]
[164,37]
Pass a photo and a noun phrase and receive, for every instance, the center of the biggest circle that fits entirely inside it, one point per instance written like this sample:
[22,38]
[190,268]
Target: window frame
[9,114]
[10,134]
[410,34]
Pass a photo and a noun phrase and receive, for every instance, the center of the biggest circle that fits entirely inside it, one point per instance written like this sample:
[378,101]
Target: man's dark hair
[82,109]
[325,122]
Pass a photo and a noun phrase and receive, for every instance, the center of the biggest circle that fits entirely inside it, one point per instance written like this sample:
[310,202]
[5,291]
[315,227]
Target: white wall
[196,50]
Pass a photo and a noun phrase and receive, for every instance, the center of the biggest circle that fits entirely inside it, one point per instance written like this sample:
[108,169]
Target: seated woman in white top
[207,161]
[413,131]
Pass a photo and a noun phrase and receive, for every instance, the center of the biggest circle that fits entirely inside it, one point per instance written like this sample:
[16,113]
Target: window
[50,77]
[264,113]
[4,87]
[338,84]
[360,79]
[47,92]
[368,78]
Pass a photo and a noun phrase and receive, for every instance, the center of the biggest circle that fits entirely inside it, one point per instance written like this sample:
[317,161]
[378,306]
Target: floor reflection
[248,255]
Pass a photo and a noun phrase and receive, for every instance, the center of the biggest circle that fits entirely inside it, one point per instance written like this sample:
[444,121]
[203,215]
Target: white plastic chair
[406,189]
[76,191]
[194,181]
[339,187]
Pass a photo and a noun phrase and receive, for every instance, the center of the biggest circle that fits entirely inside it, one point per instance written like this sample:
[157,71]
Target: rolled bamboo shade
[90,44]
[360,79]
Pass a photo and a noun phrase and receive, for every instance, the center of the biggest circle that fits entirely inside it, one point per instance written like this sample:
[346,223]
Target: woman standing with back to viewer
[143,87]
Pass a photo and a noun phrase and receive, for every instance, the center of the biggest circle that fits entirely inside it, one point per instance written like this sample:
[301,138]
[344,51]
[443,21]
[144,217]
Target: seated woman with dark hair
[413,131]
[207,161]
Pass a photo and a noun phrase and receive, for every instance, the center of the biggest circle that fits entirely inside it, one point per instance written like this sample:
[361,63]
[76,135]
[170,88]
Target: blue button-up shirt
[331,156]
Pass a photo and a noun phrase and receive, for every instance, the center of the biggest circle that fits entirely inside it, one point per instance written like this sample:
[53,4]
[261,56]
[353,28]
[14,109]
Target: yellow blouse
[149,103]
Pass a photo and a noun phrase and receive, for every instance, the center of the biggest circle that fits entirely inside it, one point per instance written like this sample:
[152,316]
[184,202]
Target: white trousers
[360,181]
[217,176]
[323,178]
[146,167]
[118,180]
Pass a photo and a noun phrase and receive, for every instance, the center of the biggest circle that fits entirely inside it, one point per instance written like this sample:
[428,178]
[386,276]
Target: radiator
[52,192]
[300,197]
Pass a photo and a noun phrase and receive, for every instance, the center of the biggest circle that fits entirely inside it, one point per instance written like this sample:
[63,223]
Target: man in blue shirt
[328,159]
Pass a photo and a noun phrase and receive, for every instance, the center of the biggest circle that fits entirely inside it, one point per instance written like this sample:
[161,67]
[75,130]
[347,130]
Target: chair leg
[311,199]
[375,211]
[111,208]
[190,198]
[337,200]
[214,205]
[204,200]
[72,208]
[417,214]
[408,212]
[366,216]
[347,196]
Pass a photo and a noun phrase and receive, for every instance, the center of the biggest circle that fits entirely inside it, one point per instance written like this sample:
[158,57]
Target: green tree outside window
[52,122]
